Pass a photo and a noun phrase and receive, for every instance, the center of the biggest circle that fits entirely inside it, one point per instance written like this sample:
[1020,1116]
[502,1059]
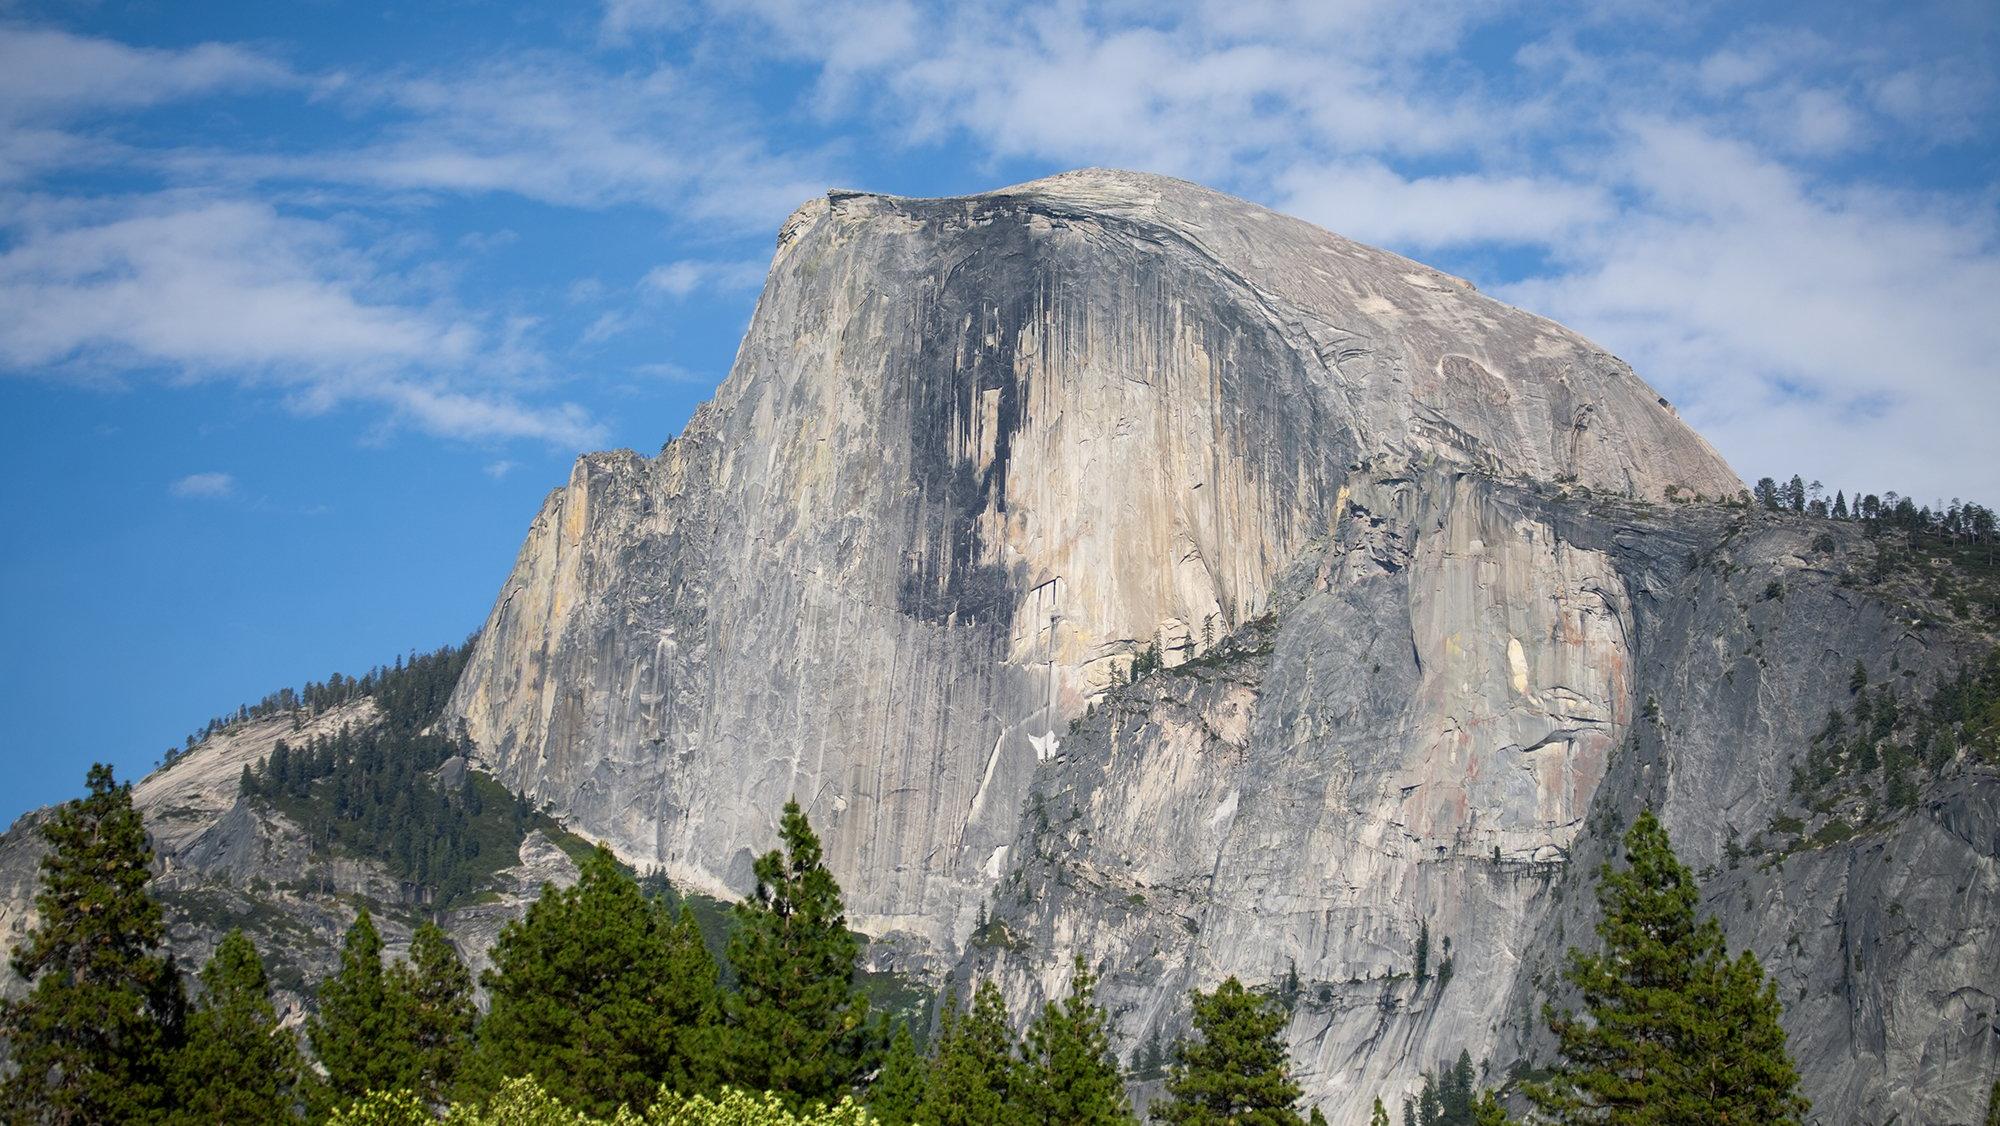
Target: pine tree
[601,994]
[1455,1092]
[1380,1115]
[1069,1075]
[1768,494]
[1489,1112]
[362,1037]
[1317,1119]
[94,1038]
[435,990]
[1238,1071]
[1677,1032]
[239,1064]
[799,1026]
[974,1078]
[898,1090]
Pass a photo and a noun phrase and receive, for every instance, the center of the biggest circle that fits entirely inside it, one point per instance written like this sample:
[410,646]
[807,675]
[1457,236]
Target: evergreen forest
[605,1004]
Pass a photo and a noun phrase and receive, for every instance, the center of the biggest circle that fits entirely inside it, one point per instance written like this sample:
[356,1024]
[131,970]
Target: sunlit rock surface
[1432,622]
[976,454]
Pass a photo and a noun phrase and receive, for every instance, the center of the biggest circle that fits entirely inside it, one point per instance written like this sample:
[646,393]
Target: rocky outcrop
[974,457]
[1434,613]
[1459,698]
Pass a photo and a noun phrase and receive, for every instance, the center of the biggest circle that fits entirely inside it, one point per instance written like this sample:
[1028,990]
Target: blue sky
[303,307]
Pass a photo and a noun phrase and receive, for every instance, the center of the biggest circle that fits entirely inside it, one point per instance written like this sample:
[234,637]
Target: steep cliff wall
[974,456]
[1460,698]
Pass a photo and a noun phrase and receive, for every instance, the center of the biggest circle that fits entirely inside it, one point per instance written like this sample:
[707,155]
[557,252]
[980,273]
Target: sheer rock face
[975,455]
[1461,697]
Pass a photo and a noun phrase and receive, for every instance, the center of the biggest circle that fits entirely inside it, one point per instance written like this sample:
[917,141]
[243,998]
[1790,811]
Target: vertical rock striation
[974,456]
[1429,641]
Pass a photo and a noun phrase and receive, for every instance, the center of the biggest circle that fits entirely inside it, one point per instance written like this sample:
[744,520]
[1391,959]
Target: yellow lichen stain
[576,510]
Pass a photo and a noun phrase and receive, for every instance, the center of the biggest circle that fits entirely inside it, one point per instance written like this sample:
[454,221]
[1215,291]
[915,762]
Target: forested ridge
[396,789]
[1949,549]
[411,692]
[605,1004]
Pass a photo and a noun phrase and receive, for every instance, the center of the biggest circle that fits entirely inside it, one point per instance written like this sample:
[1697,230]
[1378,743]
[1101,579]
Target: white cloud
[204,485]
[210,288]
[1365,200]
[46,73]
[1802,329]
[550,130]
[684,277]
[499,469]
[1699,193]
[624,17]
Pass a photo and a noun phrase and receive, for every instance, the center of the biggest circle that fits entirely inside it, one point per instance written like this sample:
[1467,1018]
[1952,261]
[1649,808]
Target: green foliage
[435,991]
[1146,662]
[238,1064]
[799,1026]
[974,1079]
[737,1108]
[1068,1074]
[1450,1096]
[410,692]
[1676,1031]
[1875,756]
[362,1036]
[383,1108]
[1380,1115]
[375,791]
[523,1102]
[899,1088]
[93,1039]
[1238,1070]
[602,993]
[1488,1111]
[1993,1105]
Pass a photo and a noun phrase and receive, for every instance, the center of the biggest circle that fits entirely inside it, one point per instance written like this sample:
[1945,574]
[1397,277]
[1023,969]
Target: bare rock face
[1460,696]
[1430,640]
[975,456]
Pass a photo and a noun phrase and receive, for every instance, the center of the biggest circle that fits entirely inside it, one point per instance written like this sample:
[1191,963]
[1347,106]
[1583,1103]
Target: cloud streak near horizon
[1787,224]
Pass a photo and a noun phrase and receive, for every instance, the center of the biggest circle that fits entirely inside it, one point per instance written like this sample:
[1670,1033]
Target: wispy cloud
[209,486]
[549,129]
[681,278]
[1366,200]
[225,288]
[48,74]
